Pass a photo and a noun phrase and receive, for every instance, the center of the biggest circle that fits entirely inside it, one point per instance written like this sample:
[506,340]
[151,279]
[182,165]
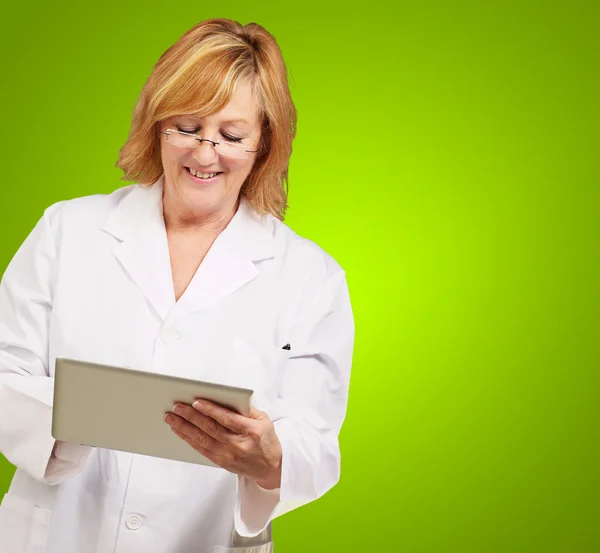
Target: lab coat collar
[142,249]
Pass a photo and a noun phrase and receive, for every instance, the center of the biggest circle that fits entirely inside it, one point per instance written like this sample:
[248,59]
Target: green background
[447,157]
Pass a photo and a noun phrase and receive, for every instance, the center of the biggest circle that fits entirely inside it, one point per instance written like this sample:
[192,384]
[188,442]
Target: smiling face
[189,198]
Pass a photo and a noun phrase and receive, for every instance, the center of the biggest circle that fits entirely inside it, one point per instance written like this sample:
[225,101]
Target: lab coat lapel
[142,249]
[230,263]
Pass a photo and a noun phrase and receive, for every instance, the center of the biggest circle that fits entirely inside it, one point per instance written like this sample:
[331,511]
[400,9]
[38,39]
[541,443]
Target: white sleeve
[309,411]
[26,389]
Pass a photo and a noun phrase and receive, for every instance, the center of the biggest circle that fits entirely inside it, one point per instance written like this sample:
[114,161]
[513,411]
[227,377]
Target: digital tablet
[122,408]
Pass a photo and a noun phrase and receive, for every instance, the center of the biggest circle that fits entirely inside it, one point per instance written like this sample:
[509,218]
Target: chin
[207,201]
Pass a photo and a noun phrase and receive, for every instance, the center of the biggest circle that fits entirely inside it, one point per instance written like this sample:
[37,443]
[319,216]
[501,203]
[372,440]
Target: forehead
[242,108]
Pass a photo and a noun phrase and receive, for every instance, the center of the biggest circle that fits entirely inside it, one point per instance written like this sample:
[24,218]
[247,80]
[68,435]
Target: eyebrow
[238,120]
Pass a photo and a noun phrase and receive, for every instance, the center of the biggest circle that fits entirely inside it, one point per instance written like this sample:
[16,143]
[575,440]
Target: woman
[192,274]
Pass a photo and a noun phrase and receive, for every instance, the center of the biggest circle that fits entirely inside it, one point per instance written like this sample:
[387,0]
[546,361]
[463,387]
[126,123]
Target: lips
[200,180]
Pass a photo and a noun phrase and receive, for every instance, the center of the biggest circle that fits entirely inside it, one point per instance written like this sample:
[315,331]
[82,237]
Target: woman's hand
[247,446]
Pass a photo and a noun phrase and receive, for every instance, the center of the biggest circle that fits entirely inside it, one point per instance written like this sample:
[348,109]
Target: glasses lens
[229,149]
[181,140]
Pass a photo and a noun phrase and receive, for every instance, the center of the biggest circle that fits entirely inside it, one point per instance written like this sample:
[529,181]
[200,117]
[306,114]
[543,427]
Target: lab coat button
[134,522]
[169,336]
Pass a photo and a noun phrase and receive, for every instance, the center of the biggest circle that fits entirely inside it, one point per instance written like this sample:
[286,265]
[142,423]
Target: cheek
[242,169]
[170,158]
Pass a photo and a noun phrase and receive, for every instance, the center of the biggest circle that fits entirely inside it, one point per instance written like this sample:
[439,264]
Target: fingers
[192,434]
[226,418]
[206,424]
[214,457]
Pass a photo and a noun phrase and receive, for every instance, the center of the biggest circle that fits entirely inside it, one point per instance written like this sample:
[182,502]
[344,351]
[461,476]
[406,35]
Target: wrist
[273,481]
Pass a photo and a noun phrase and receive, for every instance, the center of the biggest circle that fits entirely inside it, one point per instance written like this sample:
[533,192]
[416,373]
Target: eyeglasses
[184,139]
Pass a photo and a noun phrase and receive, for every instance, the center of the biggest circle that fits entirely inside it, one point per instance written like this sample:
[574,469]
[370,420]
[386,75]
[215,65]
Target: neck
[179,220]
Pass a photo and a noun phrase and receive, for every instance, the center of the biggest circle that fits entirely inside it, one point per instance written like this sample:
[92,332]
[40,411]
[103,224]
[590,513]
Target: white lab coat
[93,282]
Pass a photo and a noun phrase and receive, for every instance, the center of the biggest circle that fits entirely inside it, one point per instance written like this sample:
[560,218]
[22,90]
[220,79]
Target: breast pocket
[23,526]
[258,367]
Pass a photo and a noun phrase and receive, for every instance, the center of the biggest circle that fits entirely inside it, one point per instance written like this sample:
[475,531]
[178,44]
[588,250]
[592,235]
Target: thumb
[257,414]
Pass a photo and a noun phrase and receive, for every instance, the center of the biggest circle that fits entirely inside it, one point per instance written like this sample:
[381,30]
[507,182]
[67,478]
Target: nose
[205,153]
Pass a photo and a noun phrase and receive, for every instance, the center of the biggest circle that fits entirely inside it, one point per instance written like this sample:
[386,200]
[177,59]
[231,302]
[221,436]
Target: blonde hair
[198,75]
